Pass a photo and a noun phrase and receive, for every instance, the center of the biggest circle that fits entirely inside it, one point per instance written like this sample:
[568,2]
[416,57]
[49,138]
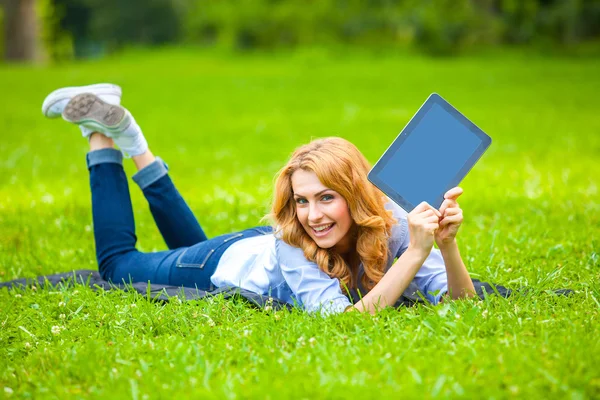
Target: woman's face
[323,212]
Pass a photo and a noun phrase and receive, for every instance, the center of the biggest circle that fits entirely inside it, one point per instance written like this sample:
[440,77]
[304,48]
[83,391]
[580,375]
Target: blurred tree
[451,26]
[117,22]
[20,30]
[74,17]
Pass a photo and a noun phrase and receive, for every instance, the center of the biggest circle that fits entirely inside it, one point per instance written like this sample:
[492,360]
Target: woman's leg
[114,228]
[174,218]
[112,213]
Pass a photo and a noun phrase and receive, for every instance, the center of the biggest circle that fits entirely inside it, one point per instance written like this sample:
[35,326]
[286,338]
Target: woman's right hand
[423,221]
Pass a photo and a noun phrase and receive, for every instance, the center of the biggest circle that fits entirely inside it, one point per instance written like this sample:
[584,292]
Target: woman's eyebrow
[316,194]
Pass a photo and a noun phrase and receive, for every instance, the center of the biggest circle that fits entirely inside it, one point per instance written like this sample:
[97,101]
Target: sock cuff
[151,173]
[104,156]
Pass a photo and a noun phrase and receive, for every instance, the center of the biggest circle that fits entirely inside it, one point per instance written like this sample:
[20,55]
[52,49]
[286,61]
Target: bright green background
[225,124]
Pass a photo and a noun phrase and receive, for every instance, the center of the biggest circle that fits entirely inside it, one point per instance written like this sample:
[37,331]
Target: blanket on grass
[157,292]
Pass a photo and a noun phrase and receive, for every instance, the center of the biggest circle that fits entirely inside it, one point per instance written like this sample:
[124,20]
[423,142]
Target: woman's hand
[451,218]
[423,221]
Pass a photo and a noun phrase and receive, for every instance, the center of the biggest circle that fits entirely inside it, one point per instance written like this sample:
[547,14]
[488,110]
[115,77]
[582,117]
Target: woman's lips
[324,232]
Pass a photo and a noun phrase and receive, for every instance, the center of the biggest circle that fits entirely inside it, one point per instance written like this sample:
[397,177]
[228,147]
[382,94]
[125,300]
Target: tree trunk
[21,30]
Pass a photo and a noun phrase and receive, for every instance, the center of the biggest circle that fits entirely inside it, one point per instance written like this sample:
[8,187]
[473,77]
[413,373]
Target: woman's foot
[90,111]
[55,103]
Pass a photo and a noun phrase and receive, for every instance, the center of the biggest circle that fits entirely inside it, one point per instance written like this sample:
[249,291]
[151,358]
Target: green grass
[225,124]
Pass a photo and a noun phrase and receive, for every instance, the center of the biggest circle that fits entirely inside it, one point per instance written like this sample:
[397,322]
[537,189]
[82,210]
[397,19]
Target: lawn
[225,124]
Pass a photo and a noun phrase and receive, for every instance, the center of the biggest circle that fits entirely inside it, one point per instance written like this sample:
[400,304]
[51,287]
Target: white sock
[131,140]
[86,132]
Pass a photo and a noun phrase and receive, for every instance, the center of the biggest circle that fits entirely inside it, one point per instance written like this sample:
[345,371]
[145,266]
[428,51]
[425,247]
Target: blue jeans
[191,259]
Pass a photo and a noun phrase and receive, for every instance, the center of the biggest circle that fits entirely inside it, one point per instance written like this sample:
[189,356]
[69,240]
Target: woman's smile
[323,230]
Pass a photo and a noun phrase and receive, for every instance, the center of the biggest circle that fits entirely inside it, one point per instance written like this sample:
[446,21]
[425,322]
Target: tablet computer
[432,154]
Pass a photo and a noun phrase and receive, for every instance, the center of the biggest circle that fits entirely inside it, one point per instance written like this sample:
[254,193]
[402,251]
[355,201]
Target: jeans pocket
[184,259]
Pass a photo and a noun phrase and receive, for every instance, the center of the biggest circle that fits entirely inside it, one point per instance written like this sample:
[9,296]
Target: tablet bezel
[434,98]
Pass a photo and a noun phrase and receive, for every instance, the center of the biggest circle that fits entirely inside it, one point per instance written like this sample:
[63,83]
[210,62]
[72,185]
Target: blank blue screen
[432,154]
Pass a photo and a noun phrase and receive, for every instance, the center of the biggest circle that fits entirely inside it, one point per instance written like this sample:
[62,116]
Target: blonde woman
[335,237]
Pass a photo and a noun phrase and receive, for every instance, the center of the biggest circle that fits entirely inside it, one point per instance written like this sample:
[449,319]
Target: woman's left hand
[451,218]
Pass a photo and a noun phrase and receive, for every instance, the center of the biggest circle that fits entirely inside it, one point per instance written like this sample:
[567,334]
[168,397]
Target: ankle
[143,160]
[99,141]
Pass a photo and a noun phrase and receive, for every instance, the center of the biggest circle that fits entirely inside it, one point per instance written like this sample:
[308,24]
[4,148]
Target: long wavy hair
[340,166]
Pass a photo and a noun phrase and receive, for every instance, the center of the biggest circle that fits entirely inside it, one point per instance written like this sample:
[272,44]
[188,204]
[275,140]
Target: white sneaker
[55,102]
[95,115]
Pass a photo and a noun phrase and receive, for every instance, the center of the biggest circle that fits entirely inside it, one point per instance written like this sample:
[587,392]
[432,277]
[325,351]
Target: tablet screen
[432,154]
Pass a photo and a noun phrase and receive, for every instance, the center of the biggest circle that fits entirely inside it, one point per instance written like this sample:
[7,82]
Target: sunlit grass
[225,125]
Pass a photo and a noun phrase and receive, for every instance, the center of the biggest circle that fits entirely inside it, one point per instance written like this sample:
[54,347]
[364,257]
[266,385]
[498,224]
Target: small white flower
[268,308]
[312,341]
[484,314]
[133,305]
[457,316]
[8,390]
[18,295]
[55,330]
[114,371]
[75,292]
[61,304]
[247,332]
[27,345]
[211,322]
[62,316]
[34,288]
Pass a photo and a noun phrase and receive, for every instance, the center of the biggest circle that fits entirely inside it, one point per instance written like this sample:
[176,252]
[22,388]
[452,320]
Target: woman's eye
[301,201]
[327,197]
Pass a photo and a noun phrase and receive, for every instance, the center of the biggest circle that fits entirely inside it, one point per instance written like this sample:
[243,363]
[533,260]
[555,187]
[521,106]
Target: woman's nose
[314,213]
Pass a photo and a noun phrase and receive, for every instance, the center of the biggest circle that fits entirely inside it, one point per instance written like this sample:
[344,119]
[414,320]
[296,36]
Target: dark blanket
[163,292]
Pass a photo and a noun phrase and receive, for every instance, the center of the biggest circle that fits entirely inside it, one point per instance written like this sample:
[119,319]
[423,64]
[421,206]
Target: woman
[335,234]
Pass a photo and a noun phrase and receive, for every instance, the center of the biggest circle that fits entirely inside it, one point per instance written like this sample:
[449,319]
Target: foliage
[1,33]
[433,26]
[439,26]
[225,124]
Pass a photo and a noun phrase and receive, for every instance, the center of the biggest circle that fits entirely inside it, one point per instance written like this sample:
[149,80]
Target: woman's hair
[340,166]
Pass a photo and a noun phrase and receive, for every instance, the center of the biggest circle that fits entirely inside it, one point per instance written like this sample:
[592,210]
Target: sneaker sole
[89,109]
[68,92]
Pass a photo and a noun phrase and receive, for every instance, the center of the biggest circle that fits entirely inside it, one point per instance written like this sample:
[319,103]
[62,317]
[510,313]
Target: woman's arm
[459,281]
[394,282]
[422,224]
